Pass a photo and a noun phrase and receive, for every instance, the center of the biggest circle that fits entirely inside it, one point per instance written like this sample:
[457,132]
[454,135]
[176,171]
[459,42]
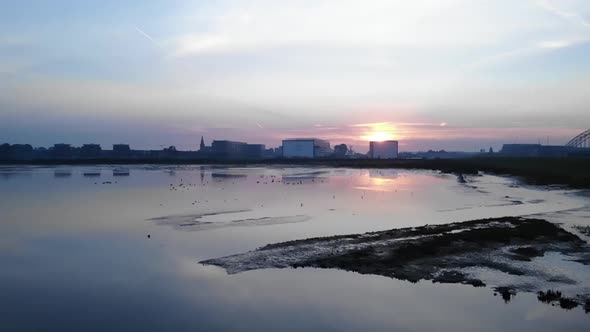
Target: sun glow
[378,136]
[379,132]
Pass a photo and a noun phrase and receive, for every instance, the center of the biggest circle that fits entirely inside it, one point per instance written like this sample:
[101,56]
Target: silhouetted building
[383,150]
[254,151]
[202,146]
[521,150]
[90,151]
[236,150]
[62,150]
[535,150]
[273,153]
[554,151]
[121,150]
[227,149]
[306,148]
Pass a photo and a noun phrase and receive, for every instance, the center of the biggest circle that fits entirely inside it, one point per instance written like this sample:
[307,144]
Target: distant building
[273,153]
[306,148]
[383,150]
[254,151]
[236,150]
[202,145]
[535,150]
[227,149]
[61,150]
[121,150]
[90,150]
[521,150]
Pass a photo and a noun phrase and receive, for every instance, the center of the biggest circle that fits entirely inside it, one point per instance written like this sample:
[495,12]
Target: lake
[75,253]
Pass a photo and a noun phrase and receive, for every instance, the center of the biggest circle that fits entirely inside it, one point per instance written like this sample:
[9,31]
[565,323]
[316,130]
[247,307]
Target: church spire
[202,144]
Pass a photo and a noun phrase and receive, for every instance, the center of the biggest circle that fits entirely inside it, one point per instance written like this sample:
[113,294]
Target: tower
[202,148]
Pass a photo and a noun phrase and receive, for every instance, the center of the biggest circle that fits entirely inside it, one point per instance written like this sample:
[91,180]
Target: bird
[149,236]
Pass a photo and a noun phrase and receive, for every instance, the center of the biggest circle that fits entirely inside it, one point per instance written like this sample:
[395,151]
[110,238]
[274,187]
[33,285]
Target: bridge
[580,141]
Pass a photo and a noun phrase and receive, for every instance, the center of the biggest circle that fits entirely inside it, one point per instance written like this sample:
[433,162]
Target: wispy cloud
[554,44]
[405,124]
[569,38]
[260,25]
[568,15]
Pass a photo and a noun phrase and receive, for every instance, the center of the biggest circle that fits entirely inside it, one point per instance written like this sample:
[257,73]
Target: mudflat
[473,252]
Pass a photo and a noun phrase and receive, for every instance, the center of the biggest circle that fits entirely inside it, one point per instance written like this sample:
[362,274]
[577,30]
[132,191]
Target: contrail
[259,125]
[146,36]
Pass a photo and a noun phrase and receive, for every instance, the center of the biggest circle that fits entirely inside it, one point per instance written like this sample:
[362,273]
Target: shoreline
[572,172]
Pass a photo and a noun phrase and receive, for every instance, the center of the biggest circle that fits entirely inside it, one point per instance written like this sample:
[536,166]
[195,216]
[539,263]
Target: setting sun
[378,136]
[378,132]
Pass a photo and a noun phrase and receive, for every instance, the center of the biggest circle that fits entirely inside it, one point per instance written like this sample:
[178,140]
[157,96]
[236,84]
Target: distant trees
[4,148]
[16,151]
[340,150]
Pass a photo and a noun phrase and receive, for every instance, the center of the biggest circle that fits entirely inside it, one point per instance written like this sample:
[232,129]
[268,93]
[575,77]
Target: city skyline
[454,75]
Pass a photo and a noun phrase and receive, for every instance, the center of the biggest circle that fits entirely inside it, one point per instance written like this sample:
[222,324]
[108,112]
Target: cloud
[569,36]
[553,44]
[201,44]
[524,52]
[292,64]
[259,25]
[568,15]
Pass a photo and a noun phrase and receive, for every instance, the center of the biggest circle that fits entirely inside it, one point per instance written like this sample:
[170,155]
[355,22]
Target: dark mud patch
[470,253]
[556,298]
[526,253]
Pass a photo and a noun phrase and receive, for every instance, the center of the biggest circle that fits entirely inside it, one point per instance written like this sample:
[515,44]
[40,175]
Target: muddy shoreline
[464,252]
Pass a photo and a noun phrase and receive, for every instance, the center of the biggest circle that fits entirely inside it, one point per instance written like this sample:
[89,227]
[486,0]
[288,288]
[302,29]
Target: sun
[378,131]
[378,136]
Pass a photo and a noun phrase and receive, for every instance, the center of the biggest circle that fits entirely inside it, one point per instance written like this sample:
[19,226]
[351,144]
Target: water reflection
[92,173]
[79,251]
[121,172]
[62,173]
[225,176]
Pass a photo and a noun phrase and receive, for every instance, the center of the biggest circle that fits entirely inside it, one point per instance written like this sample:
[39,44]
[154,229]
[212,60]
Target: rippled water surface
[75,253]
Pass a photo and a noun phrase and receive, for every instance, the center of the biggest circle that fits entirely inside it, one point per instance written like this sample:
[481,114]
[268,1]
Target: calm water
[74,252]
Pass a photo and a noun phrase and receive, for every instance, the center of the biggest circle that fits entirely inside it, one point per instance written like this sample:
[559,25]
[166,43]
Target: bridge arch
[580,141]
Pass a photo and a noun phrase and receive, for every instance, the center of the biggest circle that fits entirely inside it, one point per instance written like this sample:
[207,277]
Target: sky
[433,74]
